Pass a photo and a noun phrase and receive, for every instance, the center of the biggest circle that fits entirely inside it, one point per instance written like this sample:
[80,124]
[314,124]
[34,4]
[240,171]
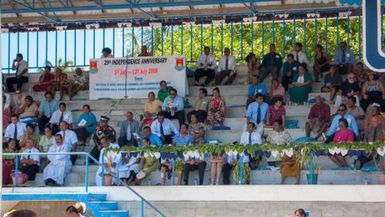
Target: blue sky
[38,55]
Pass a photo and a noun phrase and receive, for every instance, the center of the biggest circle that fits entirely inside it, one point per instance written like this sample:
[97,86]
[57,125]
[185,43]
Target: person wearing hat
[106,53]
[21,75]
[103,129]
[318,118]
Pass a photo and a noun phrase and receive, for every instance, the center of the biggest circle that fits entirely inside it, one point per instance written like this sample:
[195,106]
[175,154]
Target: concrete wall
[259,209]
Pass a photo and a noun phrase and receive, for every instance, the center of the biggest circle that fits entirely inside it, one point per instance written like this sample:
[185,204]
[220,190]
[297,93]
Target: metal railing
[87,157]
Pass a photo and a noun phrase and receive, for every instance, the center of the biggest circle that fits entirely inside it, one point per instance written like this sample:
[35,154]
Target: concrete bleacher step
[229,136]
[113,213]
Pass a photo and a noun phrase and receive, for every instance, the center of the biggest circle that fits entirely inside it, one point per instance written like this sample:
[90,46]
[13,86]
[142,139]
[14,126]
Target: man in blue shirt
[183,138]
[173,105]
[342,113]
[344,59]
[46,109]
[255,87]
[256,111]
[153,139]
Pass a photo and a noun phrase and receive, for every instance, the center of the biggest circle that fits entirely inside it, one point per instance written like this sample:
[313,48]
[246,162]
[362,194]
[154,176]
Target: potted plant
[21,178]
[306,160]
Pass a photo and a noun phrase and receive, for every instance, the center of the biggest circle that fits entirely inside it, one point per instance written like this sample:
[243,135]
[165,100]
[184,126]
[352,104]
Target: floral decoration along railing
[305,152]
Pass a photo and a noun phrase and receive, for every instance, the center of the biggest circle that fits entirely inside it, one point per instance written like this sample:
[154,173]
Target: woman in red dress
[9,162]
[44,80]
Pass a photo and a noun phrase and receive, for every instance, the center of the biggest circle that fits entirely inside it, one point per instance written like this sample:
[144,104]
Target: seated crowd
[49,126]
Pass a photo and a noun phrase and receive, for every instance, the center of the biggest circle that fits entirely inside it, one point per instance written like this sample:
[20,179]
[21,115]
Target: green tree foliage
[242,38]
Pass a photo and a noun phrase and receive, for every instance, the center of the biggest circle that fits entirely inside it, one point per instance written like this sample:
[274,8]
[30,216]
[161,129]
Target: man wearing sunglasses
[342,113]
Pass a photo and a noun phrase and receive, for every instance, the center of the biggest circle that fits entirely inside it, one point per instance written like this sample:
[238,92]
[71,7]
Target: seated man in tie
[62,114]
[128,131]
[164,128]
[14,131]
[173,106]
[251,137]
[342,113]
[69,138]
[226,68]
[344,59]
[206,67]
[29,164]
[60,165]
[256,112]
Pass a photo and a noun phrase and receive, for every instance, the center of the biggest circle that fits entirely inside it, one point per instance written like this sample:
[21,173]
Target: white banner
[134,77]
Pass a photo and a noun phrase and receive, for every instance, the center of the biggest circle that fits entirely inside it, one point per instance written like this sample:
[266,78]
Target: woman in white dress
[60,165]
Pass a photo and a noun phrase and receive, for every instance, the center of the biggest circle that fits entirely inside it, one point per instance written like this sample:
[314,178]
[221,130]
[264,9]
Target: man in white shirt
[62,114]
[14,130]
[251,137]
[30,163]
[206,67]
[60,165]
[69,138]
[298,54]
[226,67]
[21,67]
[164,128]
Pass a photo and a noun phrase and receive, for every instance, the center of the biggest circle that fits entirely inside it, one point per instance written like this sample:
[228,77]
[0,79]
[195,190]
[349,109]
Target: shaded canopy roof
[71,11]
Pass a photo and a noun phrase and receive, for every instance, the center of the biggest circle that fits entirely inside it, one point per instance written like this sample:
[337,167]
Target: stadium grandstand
[192,108]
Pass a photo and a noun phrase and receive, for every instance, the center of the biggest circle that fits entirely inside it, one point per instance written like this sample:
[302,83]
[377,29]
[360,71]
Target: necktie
[129,131]
[343,59]
[271,58]
[297,56]
[250,139]
[15,133]
[61,117]
[259,114]
[29,156]
[64,135]
[161,130]
[50,110]
[227,64]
